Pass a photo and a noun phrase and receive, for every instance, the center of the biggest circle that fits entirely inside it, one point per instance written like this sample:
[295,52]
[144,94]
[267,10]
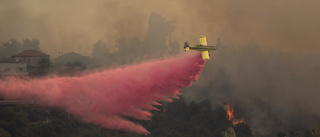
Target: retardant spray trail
[104,97]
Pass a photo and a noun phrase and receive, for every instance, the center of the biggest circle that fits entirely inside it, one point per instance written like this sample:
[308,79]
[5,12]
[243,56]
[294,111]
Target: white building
[31,58]
[13,69]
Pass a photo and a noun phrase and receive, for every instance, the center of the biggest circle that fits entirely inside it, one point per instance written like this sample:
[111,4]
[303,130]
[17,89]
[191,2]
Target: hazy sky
[282,74]
[75,25]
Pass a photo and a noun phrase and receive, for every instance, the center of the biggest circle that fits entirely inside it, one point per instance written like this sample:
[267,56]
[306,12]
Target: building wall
[13,69]
[31,61]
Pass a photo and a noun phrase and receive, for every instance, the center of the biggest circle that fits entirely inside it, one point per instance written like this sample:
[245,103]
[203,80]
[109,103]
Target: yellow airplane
[202,46]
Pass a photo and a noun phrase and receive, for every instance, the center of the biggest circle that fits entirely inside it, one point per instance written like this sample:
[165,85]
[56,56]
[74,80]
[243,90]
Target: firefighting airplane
[202,46]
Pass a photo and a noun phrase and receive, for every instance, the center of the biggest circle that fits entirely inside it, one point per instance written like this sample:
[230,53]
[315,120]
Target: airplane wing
[203,40]
[205,54]
[202,47]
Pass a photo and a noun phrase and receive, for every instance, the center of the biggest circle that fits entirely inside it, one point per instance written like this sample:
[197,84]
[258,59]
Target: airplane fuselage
[199,47]
[202,47]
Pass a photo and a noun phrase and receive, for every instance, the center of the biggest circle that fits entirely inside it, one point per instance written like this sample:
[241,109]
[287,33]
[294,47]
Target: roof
[30,53]
[72,57]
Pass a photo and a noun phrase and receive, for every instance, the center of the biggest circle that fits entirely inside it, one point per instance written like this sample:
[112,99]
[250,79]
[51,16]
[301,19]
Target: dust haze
[268,64]
[76,25]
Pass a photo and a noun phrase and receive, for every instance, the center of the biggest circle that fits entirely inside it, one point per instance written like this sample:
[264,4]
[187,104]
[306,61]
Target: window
[6,69]
[20,69]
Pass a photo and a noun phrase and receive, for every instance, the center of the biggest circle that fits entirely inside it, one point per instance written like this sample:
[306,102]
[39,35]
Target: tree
[174,120]
[229,132]
[281,134]
[72,68]
[9,48]
[30,45]
[12,47]
[243,130]
[158,43]
[44,66]
[100,52]
[158,35]
[4,133]
[314,131]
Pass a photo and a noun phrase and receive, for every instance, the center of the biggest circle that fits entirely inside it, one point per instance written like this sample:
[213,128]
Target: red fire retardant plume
[103,98]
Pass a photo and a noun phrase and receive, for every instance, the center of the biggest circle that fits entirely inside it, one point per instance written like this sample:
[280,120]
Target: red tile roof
[30,53]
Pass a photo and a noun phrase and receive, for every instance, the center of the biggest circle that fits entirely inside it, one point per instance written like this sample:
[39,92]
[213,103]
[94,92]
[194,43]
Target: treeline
[177,119]
[13,46]
[158,43]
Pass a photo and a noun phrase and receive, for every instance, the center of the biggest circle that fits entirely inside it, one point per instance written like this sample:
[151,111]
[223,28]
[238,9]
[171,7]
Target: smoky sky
[268,63]
[272,90]
[76,25]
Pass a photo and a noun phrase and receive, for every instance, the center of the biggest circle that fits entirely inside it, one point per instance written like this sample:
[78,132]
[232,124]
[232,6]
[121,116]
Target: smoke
[274,91]
[106,97]
[274,82]
[75,25]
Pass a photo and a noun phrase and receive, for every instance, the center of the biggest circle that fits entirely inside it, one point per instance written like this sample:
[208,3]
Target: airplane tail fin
[186,46]
[218,43]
